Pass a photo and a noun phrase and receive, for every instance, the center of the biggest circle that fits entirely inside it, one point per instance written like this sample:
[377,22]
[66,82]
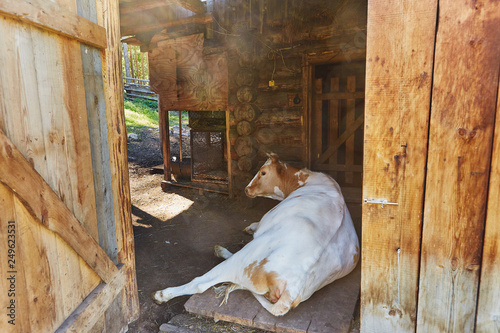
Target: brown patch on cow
[356,255]
[265,283]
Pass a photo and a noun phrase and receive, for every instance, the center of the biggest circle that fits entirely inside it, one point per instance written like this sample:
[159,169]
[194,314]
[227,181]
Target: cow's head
[275,180]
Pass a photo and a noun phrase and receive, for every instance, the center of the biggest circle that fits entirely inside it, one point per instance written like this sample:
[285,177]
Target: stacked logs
[245,114]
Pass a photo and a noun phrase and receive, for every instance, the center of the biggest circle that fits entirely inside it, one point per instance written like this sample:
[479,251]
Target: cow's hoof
[221,252]
[154,295]
[252,228]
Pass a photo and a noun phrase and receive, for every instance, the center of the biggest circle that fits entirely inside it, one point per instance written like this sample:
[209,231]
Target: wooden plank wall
[431,103]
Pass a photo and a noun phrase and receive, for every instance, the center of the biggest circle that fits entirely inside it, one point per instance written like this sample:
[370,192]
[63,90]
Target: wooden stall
[430,250]
[67,249]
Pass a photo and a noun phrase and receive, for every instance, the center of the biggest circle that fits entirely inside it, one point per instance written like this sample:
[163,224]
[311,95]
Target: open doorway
[336,123]
[198,150]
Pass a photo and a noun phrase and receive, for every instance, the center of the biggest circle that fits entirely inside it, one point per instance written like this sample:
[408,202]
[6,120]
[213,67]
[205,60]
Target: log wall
[263,47]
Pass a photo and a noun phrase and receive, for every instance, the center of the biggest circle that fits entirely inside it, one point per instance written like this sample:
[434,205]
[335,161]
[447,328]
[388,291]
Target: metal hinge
[380,202]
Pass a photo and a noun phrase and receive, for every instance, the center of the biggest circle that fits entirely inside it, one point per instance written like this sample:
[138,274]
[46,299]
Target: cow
[302,244]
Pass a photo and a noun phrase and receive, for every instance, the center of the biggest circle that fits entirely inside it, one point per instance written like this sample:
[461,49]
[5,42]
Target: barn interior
[284,77]
[257,77]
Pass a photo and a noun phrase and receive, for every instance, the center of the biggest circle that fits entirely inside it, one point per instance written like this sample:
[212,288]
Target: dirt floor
[178,246]
[185,226]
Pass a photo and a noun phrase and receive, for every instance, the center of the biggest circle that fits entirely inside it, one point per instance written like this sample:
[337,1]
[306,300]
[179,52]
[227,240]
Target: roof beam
[195,6]
[199,19]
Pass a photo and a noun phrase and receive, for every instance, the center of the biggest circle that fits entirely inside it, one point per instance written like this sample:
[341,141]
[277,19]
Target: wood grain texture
[488,307]
[41,13]
[21,303]
[48,209]
[90,310]
[464,98]
[398,85]
[49,298]
[117,135]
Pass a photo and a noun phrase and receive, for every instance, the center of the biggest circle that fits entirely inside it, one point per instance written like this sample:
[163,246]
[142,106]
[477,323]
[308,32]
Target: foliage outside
[140,113]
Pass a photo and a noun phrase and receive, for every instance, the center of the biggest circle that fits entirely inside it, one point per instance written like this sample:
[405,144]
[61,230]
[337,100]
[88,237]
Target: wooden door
[67,256]
[337,115]
[430,214]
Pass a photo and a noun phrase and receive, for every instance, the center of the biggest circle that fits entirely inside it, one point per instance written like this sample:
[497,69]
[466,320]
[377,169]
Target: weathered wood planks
[112,75]
[488,307]
[42,13]
[463,111]
[400,51]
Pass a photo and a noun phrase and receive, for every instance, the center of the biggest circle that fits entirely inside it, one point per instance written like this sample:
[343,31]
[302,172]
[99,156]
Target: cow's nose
[246,190]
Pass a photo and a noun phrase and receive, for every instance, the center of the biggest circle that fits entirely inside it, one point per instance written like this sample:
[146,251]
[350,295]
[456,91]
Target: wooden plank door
[63,169]
[398,90]
[337,116]
[464,98]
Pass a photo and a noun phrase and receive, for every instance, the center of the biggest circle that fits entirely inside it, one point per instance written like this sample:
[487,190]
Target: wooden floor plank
[328,310]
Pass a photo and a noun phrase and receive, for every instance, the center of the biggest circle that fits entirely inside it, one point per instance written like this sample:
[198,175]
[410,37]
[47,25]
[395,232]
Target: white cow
[304,243]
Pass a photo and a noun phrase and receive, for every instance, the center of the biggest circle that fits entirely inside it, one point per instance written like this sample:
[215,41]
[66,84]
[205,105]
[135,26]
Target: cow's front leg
[252,228]
[223,272]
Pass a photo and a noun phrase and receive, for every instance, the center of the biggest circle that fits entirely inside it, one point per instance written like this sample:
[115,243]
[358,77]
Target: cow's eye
[263,173]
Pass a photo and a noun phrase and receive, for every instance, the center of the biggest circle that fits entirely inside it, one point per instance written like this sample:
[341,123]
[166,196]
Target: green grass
[173,118]
[140,113]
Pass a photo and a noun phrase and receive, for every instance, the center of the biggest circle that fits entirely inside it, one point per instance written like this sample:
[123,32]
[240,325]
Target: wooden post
[117,136]
[180,136]
[350,118]
[333,126]
[463,107]
[126,60]
[165,136]
[317,122]
[398,85]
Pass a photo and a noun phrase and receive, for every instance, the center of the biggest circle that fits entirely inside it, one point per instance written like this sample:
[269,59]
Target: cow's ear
[274,157]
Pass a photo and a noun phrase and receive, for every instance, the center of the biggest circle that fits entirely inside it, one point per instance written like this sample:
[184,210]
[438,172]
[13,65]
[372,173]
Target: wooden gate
[430,250]
[336,133]
[67,251]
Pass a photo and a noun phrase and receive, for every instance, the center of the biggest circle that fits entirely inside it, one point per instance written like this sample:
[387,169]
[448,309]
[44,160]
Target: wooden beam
[138,6]
[117,136]
[83,318]
[46,206]
[55,18]
[196,6]
[198,19]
